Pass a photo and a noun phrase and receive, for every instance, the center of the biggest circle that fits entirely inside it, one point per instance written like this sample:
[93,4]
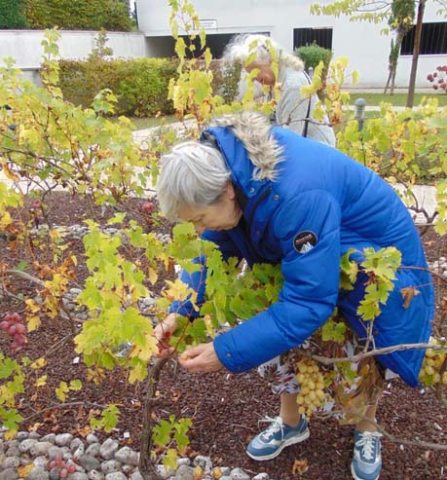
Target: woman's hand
[201,358]
[163,332]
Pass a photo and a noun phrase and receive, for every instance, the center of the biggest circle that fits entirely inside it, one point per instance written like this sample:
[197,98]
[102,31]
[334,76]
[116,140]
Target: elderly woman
[265,194]
[293,110]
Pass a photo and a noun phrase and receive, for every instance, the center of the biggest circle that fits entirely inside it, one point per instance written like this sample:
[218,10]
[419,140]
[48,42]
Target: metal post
[360,104]
[310,72]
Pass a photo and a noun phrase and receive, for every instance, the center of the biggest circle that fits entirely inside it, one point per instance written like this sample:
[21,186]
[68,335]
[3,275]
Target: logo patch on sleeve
[303,242]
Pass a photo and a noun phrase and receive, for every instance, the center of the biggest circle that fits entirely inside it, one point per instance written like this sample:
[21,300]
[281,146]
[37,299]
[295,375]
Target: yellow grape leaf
[177,290]
[75,385]
[41,381]
[61,391]
[39,363]
[25,470]
[10,434]
[74,260]
[153,276]
[33,322]
[31,305]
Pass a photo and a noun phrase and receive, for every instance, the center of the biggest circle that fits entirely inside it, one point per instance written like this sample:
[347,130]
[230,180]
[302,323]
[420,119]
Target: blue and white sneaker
[271,442]
[367,461]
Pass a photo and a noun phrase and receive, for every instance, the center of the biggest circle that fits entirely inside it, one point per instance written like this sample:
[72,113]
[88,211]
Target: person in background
[292,110]
[268,195]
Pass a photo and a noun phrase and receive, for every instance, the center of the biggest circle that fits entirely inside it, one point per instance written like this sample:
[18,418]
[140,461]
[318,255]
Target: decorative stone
[12,443]
[26,445]
[184,472]
[93,449]
[77,476]
[204,462]
[95,475]
[79,451]
[41,461]
[13,452]
[128,456]
[9,474]
[25,459]
[261,476]
[225,471]
[55,452]
[108,448]
[110,466]
[22,436]
[66,453]
[75,444]
[40,448]
[89,462]
[91,438]
[63,439]
[51,437]
[11,462]
[239,474]
[183,461]
[34,435]
[116,476]
[136,475]
[54,474]
[127,469]
[38,473]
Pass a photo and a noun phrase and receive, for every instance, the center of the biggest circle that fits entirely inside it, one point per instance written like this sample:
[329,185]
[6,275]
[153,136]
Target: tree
[400,21]
[398,13]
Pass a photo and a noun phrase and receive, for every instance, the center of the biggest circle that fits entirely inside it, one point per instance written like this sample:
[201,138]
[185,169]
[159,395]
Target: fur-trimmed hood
[254,131]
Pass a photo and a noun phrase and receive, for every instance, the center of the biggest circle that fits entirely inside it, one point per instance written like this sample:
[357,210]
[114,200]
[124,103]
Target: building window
[433,39]
[307,36]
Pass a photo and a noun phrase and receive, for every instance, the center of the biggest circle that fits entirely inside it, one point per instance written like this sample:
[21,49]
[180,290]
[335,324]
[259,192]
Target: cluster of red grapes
[439,78]
[63,467]
[13,325]
[148,208]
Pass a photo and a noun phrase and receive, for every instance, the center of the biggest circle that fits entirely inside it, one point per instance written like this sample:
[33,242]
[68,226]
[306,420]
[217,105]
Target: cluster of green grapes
[311,380]
[431,368]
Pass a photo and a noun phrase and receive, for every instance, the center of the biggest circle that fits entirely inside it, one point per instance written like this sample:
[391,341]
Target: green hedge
[141,85]
[12,14]
[79,14]
[313,54]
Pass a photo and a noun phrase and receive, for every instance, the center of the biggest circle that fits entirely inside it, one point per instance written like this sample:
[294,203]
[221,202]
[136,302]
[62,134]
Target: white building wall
[25,45]
[364,45]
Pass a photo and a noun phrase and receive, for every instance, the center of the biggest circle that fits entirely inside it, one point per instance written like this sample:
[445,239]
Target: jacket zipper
[258,201]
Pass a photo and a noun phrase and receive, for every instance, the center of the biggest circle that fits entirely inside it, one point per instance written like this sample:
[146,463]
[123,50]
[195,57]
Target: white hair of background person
[292,110]
[242,46]
[192,173]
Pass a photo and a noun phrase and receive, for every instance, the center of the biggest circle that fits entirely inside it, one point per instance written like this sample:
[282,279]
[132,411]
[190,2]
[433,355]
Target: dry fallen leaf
[25,470]
[300,467]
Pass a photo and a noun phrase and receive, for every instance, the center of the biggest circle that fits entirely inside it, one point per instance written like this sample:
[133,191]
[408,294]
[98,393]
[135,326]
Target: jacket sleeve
[197,280]
[310,289]
[293,109]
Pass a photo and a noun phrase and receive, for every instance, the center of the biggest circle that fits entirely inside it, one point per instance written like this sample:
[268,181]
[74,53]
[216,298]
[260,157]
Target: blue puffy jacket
[321,204]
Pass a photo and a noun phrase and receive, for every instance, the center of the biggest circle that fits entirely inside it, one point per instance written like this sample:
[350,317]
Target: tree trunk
[416,48]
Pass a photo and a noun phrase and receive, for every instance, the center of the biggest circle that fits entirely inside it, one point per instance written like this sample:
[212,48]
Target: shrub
[313,54]
[439,78]
[79,14]
[141,85]
[226,79]
[11,14]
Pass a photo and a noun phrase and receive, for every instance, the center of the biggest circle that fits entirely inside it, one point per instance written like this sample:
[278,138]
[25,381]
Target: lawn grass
[398,99]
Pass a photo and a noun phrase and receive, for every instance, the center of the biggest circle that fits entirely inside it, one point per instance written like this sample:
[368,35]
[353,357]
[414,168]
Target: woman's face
[265,75]
[222,215]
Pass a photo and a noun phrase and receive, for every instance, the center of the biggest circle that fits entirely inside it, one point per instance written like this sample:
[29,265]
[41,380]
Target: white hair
[192,174]
[242,46]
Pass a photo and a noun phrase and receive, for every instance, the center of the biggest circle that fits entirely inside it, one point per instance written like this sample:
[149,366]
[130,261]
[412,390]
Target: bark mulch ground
[225,408]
